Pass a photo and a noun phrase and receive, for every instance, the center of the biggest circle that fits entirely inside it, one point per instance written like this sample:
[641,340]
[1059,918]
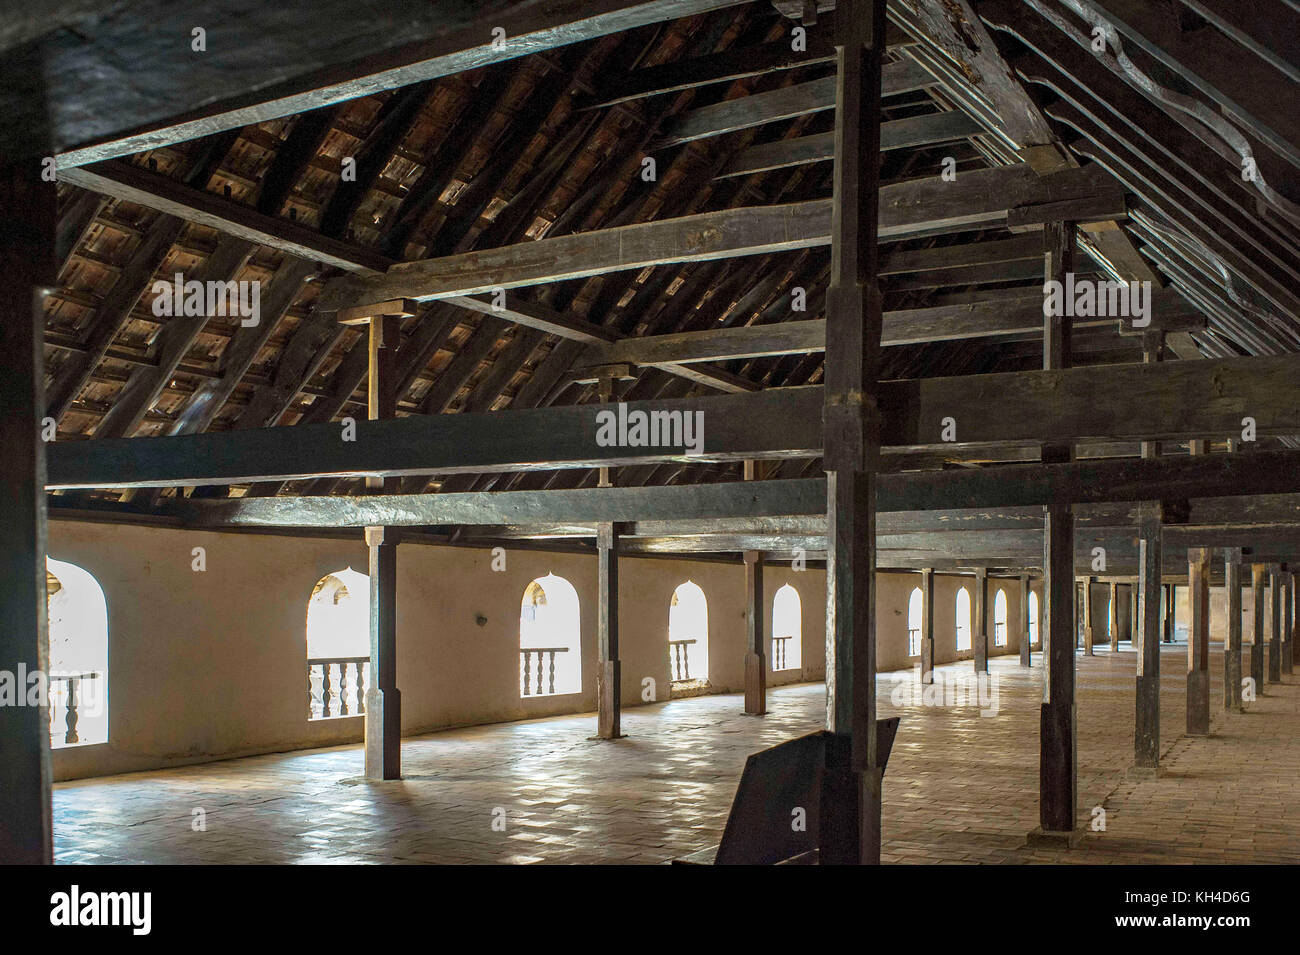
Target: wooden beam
[780,104]
[995,317]
[124,180]
[981,197]
[241,79]
[927,130]
[1140,402]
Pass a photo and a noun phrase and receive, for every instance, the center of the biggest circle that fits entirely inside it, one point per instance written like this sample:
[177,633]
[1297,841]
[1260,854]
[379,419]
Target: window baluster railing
[545,669]
[322,701]
[780,652]
[679,660]
[71,716]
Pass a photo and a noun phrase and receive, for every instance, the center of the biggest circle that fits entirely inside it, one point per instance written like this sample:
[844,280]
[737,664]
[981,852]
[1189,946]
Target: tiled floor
[959,787]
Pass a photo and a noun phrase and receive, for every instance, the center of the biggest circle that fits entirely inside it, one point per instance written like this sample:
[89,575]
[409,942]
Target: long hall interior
[650,431]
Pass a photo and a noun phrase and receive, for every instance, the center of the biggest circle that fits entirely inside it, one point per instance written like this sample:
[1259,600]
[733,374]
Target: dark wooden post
[1131,618]
[1146,730]
[1275,638]
[850,811]
[609,687]
[980,637]
[756,657]
[1113,623]
[1232,642]
[27,269]
[1025,642]
[1169,613]
[383,699]
[927,625]
[1088,633]
[1198,642]
[1257,572]
[1057,766]
[1288,603]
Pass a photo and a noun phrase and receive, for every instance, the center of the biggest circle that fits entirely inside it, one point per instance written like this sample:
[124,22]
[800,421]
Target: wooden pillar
[1087,616]
[851,789]
[927,625]
[1131,618]
[1057,765]
[1232,641]
[1275,637]
[1025,640]
[383,751]
[1198,642]
[1169,612]
[756,656]
[1288,636]
[27,269]
[1257,573]
[609,688]
[1113,623]
[980,637]
[1146,727]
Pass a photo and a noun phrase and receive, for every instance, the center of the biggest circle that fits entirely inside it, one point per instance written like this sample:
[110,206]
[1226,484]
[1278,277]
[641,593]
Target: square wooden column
[609,676]
[1169,613]
[1146,727]
[1232,641]
[1275,637]
[1088,632]
[1288,624]
[927,625]
[851,788]
[1025,640]
[1258,573]
[383,698]
[980,625]
[1198,642]
[1058,759]
[1113,623]
[755,657]
[27,269]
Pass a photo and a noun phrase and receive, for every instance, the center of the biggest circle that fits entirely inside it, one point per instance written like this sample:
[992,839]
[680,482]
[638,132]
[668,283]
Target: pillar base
[1144,772]
[755,684]
[1041,838]
[608,717]
[383,733]
[1198,704]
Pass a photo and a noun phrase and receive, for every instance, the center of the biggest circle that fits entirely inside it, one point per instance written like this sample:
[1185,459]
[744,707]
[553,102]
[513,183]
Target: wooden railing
[679,660]
[329,702]
[780,652]
[525,679]
[999,634]
[914,641]
[70,715]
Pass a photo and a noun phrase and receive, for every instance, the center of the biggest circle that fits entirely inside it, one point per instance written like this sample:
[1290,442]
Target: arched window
[78,666]
[787,630]
[963,619]
[688,635]
[550,639]
[1000,619]
[914,623]
[1033,618]
[338,645]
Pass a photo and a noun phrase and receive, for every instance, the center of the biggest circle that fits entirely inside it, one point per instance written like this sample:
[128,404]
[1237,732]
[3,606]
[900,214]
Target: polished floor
[960,786]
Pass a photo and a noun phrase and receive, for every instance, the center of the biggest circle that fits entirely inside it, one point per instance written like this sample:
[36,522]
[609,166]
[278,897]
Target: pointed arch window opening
[787,630]
[338,645]
[77,684]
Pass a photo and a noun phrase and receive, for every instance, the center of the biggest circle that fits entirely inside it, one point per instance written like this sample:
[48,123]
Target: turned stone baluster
[325,690]
[539,673]
[552,672]
[71,718]
[311,702]
[528,656]
[343,689]
[361,688]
